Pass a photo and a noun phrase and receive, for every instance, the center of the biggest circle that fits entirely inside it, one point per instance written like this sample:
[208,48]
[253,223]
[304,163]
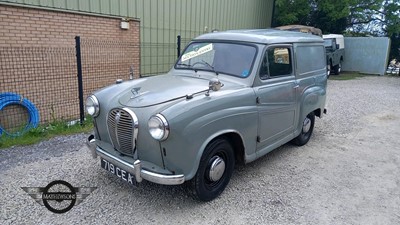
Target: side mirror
[337,46]
[214,84]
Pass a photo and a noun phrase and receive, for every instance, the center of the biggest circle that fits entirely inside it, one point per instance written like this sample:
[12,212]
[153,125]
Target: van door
[276,99]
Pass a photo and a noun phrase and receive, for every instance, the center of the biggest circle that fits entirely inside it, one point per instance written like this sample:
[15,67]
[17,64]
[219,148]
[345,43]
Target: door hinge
[258,139]
[258,100]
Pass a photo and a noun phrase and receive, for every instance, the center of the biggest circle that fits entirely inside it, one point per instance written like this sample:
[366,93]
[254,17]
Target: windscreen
[227,58]
[328,42]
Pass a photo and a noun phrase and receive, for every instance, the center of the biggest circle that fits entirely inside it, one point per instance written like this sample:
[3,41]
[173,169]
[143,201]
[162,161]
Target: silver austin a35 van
[230,98]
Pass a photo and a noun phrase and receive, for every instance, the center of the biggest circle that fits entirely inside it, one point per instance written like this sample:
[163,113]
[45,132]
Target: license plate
[121,173]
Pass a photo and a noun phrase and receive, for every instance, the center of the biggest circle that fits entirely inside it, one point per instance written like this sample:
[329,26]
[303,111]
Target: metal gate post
[80,83]
[178,43]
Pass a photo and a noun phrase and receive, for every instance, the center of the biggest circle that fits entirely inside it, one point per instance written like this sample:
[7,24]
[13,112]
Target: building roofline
[21,5]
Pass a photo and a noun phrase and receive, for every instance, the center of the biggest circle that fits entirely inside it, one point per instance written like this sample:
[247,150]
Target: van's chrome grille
[123,128]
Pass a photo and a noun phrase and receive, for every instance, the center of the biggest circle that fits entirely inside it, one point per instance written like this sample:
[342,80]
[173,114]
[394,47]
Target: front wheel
[306,131]
[215,170]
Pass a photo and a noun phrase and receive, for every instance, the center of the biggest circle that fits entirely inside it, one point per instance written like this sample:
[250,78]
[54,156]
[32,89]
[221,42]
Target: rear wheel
[338,68]
[306,131]
[215,170]
[328,70]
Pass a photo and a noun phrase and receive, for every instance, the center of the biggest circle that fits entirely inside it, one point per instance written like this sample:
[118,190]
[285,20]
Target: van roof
[263,36]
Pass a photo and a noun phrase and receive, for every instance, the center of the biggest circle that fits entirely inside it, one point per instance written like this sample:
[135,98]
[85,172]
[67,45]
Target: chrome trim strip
[135,169]
[91,144]
[166,126]
[162,179]
[96,105]
[140,173]
[116,161]
[108,129]
[135,126]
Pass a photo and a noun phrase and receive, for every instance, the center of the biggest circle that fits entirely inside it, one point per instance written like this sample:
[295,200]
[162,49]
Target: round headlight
[158,127]
[92,106]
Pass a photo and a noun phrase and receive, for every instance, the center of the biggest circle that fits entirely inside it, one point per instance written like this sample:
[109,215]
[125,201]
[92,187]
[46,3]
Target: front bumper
[135,169]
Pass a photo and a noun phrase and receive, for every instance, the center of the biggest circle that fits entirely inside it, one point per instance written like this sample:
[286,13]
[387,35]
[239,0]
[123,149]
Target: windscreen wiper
[208,64]
[183,64]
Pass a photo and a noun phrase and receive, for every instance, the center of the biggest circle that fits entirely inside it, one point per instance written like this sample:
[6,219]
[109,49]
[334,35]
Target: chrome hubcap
[217,169]
[306,125]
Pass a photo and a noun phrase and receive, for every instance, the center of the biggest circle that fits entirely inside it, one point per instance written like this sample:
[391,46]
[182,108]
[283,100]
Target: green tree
[379,17]
[329,16]
[356,17]
[291,12]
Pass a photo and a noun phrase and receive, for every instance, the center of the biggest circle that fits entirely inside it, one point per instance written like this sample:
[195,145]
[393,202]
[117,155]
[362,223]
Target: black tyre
[214,172]
[306,131]
[338,68]
[328,70]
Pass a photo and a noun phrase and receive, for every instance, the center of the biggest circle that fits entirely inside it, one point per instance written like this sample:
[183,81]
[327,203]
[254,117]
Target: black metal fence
[181,44]
[103,62]
[48,84]
[158,58]
[56,80]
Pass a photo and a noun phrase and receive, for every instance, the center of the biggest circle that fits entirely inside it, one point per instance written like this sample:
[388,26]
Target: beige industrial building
[38,54]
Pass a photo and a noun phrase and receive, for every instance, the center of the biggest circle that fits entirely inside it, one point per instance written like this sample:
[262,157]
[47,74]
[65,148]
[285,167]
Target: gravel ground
[347,174]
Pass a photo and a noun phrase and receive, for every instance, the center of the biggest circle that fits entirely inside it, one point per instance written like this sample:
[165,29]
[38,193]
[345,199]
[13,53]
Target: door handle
[296,86]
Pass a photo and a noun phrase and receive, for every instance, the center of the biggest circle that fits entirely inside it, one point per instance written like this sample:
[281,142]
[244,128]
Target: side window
[312,59]
[277,62]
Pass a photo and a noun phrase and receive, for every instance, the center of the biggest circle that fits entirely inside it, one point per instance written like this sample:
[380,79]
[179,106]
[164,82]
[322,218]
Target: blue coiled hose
[8,98]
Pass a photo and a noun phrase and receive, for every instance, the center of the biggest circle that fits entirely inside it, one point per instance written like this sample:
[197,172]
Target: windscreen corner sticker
[197,52]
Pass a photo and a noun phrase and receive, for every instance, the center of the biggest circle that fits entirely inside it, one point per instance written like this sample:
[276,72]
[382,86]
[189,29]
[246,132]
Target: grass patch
[45,132]
[347,76]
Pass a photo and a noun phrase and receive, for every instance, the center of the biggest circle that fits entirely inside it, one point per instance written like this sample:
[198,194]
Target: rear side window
[310,58]
[277,62]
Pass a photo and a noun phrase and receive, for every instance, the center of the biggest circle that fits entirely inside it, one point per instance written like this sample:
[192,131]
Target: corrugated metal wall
[162,20]
[366,54]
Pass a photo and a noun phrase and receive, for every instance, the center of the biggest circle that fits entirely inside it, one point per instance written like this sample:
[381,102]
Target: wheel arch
[237,144]
[233,137]
[314,101]
[317,112]
[215,169]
